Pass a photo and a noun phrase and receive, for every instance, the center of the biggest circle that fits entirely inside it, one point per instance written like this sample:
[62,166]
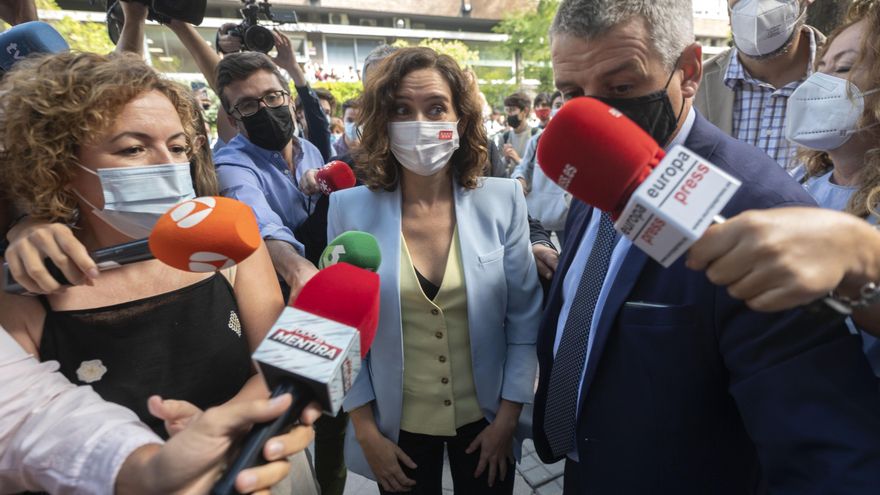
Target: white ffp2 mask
[422,147]
[763,26]
[821,115]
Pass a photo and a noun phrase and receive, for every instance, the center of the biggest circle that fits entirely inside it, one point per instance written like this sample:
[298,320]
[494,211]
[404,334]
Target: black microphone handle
[106,259]
[251,450]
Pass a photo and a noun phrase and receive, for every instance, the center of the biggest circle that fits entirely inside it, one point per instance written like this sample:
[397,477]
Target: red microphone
[335,176]
[661,201]
[361,296]
[313,352]
[597,154]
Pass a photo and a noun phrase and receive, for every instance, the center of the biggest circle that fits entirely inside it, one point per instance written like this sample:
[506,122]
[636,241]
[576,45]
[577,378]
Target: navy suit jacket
[694,393]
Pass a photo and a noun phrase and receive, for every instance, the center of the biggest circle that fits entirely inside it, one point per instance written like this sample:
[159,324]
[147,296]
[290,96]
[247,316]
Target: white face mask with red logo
[423,147]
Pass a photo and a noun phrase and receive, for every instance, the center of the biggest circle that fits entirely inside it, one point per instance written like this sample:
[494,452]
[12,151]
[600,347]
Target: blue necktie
[568,365]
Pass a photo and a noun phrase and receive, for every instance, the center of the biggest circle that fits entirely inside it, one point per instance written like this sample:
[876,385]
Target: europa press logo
[191,214]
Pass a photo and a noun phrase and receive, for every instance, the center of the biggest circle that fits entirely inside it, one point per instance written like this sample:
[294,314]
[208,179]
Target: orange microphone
[205,234]
[200,235]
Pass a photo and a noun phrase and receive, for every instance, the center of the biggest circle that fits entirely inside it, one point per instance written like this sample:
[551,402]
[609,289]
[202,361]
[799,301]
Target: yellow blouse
[439,395]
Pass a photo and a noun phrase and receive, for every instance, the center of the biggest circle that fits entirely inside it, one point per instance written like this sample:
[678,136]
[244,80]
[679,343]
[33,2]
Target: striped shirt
[759,109]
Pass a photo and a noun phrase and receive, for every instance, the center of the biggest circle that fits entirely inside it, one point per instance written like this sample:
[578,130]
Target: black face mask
[270,128]
[513,121]
[652,112]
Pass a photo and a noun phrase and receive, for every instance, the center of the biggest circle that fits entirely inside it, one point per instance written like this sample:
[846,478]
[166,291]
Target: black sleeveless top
[185,345]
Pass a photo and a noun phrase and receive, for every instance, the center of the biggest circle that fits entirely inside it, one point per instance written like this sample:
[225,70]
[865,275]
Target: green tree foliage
[459,51]
[342,91]
[496,93]
[81,36]
[527,31]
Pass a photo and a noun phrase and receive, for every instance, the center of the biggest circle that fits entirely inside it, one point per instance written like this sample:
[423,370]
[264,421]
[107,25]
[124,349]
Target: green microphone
[355,248]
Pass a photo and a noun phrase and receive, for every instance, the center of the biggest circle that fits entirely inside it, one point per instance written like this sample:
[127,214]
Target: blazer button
[439,335]
[444,380]
[447,402]
[442,359]
[435,311]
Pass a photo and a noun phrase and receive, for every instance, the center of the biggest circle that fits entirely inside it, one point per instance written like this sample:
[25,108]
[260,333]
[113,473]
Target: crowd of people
[509,309]
[316,72]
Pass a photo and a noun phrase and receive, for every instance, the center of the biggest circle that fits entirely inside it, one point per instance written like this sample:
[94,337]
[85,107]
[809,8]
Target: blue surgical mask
[351,131]
[135,197]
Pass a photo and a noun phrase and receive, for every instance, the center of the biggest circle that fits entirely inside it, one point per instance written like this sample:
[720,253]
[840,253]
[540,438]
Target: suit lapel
[469,240]
[384,222]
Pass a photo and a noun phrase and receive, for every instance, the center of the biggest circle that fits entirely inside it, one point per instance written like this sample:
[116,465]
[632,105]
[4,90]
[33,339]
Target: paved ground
[532,478]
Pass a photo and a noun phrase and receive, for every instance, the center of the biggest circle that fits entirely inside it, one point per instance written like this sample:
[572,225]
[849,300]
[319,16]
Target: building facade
[336,35]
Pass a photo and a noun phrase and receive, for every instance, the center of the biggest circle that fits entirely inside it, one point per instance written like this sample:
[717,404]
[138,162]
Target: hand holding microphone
[200,235]
[44,257]
[662,202]
[315,348]
[775,260]
[334,176]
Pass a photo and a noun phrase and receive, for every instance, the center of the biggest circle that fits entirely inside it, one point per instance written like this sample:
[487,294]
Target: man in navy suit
[656,381]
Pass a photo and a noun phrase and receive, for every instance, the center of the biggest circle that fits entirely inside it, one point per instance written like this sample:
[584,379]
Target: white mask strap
[87,169]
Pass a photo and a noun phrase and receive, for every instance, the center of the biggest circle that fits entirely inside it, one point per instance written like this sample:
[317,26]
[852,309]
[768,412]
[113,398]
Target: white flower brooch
[91,371]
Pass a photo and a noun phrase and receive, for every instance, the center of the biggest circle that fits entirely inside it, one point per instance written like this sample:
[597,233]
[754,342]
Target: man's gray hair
[671,22]
[378,54]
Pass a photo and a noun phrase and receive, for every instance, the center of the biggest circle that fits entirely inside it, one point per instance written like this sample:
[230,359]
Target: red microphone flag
[335,176]
[597,154]
[346,294]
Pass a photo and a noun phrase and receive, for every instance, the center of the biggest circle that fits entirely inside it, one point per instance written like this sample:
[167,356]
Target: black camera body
[162,11]
[254,37]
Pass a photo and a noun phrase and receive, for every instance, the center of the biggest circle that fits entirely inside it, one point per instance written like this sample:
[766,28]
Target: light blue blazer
[503,296]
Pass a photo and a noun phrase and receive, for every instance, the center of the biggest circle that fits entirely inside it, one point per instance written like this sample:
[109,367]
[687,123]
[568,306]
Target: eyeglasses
[249,107]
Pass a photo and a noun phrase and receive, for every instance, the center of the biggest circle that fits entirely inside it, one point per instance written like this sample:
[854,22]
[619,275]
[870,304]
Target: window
[340,52]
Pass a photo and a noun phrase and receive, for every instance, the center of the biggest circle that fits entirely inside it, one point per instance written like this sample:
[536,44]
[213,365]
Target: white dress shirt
[58,437]
[579,263]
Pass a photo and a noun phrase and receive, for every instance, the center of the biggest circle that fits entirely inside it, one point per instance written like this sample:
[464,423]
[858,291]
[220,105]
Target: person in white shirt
[64,439]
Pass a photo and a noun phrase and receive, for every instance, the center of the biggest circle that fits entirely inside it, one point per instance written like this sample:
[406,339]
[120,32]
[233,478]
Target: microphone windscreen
[346,294]
[25,39]
[335,176]
[205,234]
[596,153]
[355,248]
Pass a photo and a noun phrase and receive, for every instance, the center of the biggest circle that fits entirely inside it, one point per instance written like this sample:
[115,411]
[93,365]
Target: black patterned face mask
[270,128]
[652,112]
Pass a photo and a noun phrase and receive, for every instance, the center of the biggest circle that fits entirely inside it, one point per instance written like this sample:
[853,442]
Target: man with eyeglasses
[265,163]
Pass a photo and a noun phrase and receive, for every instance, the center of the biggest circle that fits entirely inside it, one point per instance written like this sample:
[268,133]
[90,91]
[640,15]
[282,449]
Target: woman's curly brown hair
[52,104]
[376,165]
[866,199]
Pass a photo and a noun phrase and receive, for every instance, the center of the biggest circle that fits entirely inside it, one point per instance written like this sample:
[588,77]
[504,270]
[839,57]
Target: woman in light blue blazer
[453,362]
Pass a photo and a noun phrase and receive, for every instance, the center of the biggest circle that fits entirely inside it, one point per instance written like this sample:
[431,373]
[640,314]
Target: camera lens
[258,38]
